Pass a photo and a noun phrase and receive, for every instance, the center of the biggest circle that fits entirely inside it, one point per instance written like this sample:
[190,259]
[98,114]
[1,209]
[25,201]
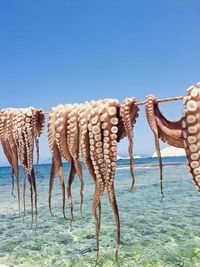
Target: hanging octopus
[63,133]
[91,129]
[19,129]
[191,126]
[168,131]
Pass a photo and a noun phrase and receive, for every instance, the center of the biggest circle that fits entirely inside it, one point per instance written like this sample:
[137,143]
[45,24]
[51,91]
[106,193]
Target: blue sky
[65,51]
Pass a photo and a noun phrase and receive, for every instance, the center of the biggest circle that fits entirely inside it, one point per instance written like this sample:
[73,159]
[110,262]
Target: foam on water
[154,233]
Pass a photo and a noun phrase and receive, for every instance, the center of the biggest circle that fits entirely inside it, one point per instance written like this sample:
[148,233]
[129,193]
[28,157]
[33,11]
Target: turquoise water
[154,233]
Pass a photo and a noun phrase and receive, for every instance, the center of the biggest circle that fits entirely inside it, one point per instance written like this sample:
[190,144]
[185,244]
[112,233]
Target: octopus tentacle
[61,136]
[58,164]
[56,156]
[73,144]
[129,114]
[14,155]
[31,190]
[13,182]
[24,188]
[6,135]
[121,129]
[114,206]
[96,156]
[38,122]
[110,130]
[69,194]
[168,131]
[3,136]
[29,140]
[18,134]
[51,182]
[190,126]
[62,139]
[9,146]
[84,118]
[29,144]
[150,102]
[34,188]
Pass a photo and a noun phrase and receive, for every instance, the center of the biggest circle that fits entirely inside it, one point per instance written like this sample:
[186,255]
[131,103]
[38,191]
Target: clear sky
[66,51]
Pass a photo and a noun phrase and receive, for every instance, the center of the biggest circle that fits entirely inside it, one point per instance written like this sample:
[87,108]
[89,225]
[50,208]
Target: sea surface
[153,232]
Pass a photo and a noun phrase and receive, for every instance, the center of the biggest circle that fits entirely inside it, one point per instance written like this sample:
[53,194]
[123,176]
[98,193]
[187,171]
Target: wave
[152,166]
[137,168]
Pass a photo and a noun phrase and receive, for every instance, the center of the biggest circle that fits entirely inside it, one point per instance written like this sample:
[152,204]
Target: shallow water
[153,233]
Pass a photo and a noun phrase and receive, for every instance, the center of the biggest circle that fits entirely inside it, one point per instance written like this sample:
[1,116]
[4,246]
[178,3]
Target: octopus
[20,129]
[91,130]
[190,127]
[63,140]
[164,129]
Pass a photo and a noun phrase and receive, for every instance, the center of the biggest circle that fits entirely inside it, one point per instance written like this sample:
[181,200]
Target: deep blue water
[154,233]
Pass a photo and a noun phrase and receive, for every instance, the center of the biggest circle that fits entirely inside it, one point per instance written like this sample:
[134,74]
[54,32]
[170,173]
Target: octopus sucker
[194,156]
[168,131]
[194,164]
[191,118]
[191,139]
[193,148]
[129,114]
[191,127]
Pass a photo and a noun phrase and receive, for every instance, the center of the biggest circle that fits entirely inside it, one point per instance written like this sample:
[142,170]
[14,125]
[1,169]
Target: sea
[155,232]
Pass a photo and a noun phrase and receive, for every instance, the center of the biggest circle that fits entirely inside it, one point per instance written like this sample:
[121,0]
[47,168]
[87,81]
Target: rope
[162,100]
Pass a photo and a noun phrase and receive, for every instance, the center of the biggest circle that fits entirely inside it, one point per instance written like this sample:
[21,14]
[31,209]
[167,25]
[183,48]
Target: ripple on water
[153,233]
